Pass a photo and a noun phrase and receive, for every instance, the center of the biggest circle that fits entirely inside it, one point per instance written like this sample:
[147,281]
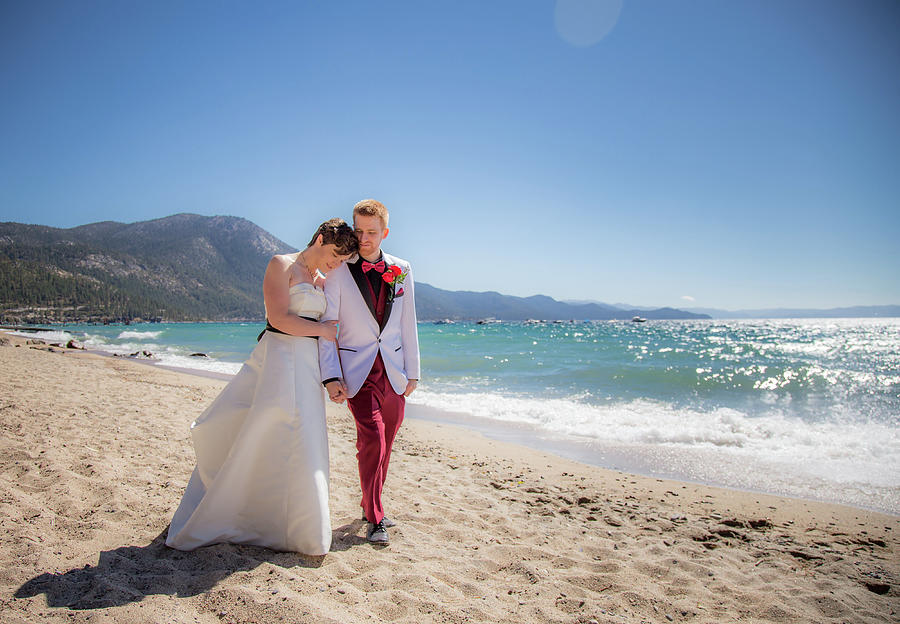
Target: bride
[262,447]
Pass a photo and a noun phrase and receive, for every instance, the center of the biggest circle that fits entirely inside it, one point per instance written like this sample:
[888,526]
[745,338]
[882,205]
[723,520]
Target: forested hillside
[182,267]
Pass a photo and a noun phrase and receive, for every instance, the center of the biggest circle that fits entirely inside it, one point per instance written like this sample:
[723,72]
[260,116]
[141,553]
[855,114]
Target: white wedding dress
[262,451]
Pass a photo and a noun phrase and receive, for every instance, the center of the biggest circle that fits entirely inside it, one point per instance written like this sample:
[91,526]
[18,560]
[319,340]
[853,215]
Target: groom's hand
[410,387]
[337,391]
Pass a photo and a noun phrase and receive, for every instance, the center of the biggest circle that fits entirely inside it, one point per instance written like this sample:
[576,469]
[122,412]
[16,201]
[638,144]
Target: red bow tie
[378,266]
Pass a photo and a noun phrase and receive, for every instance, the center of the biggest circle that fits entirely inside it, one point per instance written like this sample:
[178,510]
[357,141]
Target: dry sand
[95,453]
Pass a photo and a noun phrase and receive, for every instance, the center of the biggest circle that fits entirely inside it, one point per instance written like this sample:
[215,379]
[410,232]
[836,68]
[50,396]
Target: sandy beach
[96,452]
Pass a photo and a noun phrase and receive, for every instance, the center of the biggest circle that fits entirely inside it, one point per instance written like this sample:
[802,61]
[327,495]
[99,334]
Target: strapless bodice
[306,300]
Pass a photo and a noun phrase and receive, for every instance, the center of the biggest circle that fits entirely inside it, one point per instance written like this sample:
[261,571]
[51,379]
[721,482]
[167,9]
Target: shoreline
[634,460]
[97,451]
[640,460]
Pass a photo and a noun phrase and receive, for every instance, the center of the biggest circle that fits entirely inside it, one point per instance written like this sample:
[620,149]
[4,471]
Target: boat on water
[638,319]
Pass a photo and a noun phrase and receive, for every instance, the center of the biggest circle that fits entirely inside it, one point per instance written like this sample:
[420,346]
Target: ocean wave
[837,450]
[110,345]
[128,342]
[138,335]
[166,355]
[52,336]
[181,360]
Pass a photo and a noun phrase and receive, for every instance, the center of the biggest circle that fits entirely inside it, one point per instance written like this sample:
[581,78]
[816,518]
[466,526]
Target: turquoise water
[806,408]
[816,370]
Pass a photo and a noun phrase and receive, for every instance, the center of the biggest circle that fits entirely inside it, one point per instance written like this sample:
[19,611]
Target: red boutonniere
[393,275]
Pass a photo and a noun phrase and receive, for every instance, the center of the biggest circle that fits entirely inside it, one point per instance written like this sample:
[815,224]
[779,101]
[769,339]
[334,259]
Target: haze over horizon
[737,155]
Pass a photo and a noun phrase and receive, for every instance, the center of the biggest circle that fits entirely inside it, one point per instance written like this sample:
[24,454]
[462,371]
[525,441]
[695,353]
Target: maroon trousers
[378,412]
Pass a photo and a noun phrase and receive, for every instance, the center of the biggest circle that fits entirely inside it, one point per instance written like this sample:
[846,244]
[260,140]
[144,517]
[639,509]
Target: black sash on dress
[275,330]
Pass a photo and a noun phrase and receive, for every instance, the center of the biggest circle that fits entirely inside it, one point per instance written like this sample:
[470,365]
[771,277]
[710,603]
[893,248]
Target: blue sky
[706,153]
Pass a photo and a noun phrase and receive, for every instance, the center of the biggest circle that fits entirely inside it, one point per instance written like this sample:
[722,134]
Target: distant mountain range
[189,267]
[875,311]
[879,311]
[433,303]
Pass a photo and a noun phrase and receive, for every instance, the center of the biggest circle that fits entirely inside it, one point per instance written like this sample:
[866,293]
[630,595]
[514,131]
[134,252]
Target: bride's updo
[336,232]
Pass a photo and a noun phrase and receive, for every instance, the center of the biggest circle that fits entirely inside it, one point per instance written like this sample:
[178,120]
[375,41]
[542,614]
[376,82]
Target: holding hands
[337,391]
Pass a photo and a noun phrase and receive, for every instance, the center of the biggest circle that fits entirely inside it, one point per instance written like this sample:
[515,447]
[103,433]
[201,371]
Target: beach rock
[729,533]
[707,540]
[203,355]
[73,344]
[878,588]
[804,554]
[142,354]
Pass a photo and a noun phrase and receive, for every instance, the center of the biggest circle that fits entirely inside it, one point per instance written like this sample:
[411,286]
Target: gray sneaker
[377,534]
[388,523]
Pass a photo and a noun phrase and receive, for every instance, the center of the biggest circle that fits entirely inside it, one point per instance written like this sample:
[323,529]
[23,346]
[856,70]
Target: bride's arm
[277,298]
[329,362]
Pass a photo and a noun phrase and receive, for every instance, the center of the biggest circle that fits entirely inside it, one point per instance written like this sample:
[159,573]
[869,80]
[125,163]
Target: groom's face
[370,231]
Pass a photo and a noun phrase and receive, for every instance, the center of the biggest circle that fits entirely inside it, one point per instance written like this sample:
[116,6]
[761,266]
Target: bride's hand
[329,330]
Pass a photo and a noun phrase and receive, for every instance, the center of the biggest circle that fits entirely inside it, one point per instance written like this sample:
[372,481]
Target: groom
[376,363]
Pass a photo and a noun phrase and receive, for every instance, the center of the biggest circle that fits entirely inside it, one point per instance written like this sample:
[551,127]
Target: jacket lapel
[361,282]
[389,290]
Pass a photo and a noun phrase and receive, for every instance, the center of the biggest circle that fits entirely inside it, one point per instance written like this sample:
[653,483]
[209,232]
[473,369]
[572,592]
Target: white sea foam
[110,345]
[185,360]
[166,355]
[812,458]
[174,355]
[52,336]
[138,335]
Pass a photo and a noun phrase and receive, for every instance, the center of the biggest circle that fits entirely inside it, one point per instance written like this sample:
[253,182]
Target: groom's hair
[336,232]
[371,208]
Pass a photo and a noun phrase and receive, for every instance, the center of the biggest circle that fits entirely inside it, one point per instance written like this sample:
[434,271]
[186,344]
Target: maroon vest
[378,371]
[380,299]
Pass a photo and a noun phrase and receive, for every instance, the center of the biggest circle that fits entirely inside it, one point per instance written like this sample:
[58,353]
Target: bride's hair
[336,232]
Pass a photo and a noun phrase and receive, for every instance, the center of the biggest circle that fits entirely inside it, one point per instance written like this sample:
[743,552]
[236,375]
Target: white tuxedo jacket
[360,338]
